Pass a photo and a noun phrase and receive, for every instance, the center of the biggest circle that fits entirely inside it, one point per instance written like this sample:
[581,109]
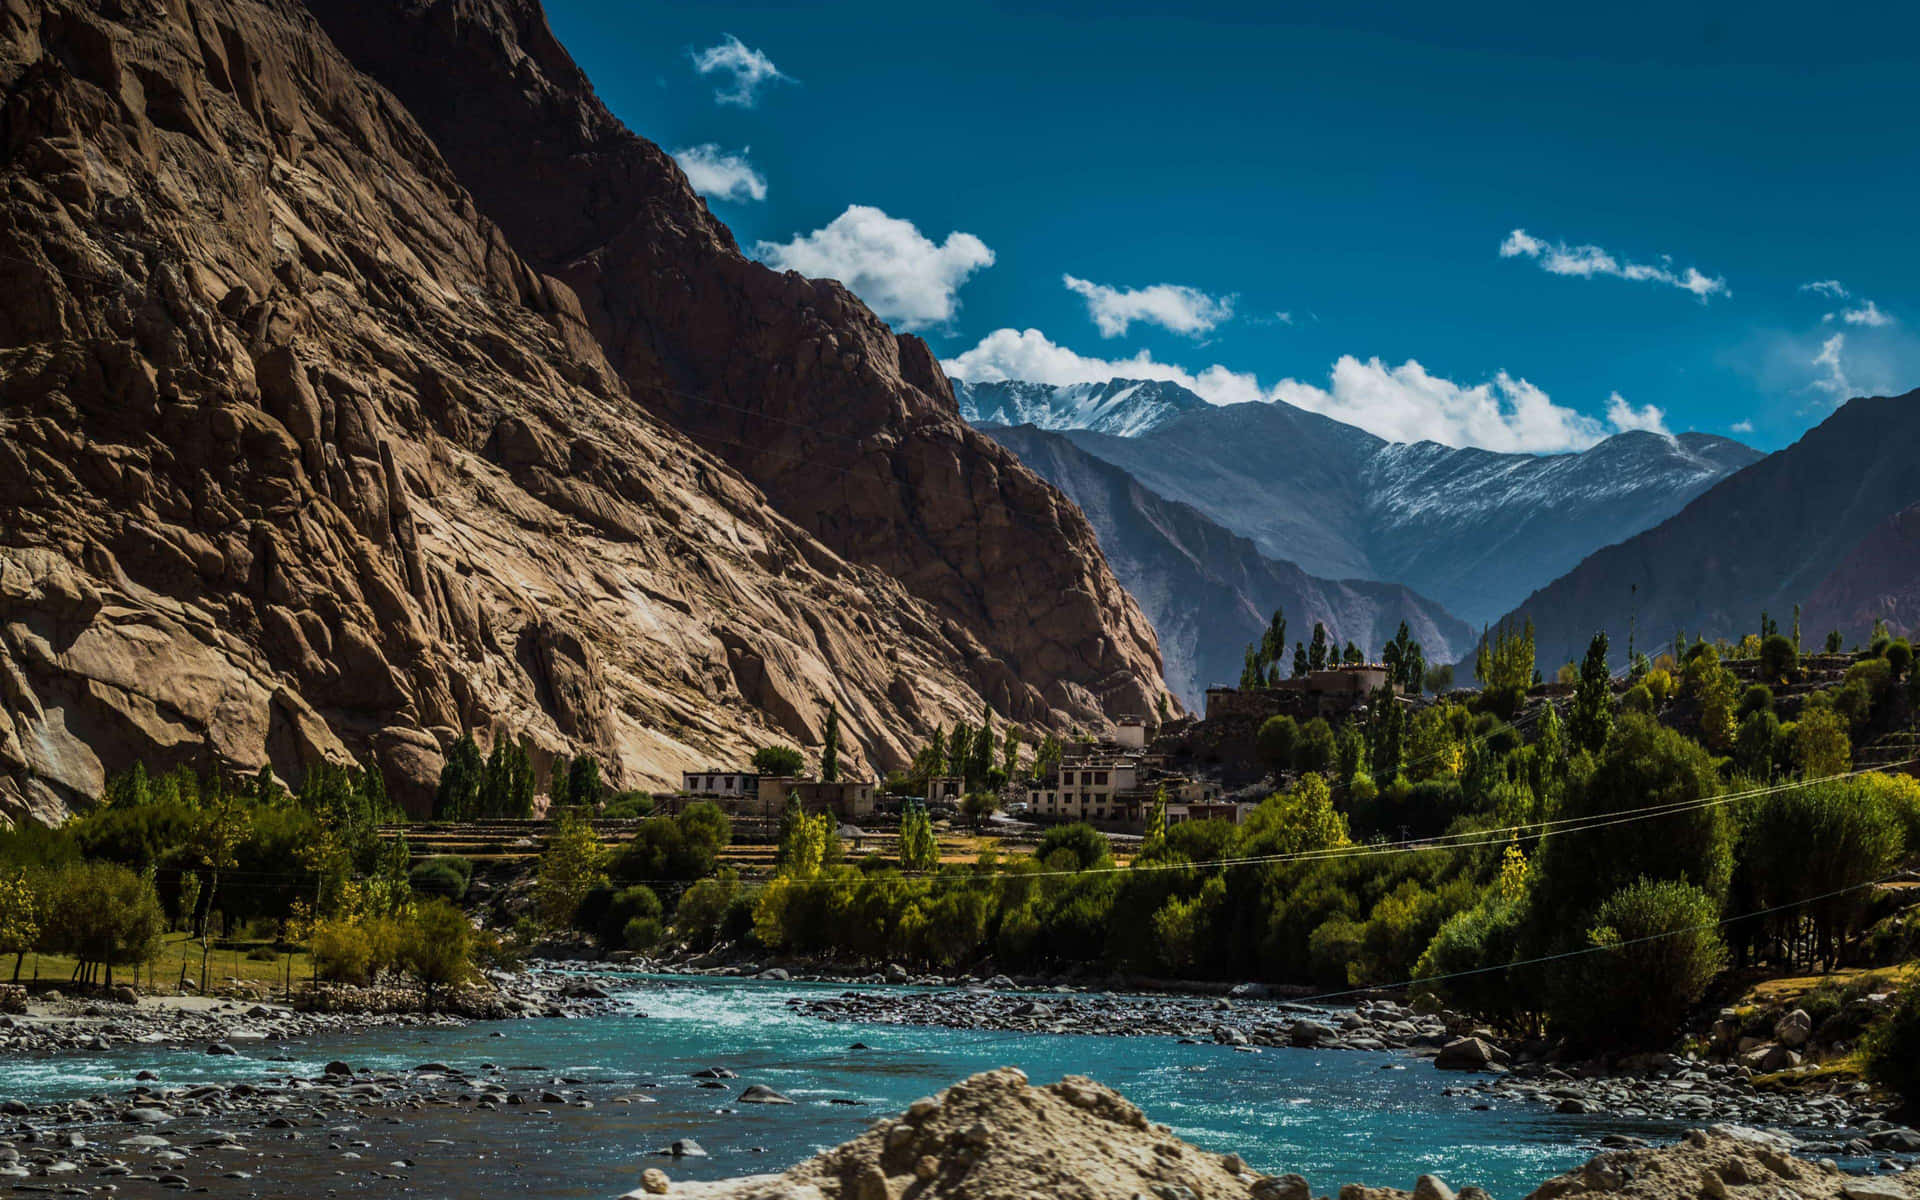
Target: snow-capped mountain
[1473,529]
[1121,407]
[1210,592]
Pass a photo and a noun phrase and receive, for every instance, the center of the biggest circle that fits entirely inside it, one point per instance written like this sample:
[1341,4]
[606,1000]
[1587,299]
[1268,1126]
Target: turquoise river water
[1334,1116]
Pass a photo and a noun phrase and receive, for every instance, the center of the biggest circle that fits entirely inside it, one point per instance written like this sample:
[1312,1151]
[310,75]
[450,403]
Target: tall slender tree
[830,747]
[1592,719]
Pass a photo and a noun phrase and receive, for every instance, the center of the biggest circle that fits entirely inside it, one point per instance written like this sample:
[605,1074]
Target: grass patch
[161,977]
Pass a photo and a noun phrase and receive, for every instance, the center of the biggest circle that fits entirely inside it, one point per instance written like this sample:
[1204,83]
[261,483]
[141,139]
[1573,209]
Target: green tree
[1779,659]
[1753,747]
[1299,820]
[458,796]
[1592,718]
[830,747]
[1820,744]
[1317,650]
[104,915]
[1386,733]
[918,849]
[1827,840]
[1275,741]
[437,948]
[1301,663]
[980,759]
[959,749]
[1010,756]
[784,762]
[572,864]
[1439,678]
[1503,662]
[1084,847]
[1654,948]
[583,781]
[1835,643]
[559,779]
[1154,844]
[1314,747]
[20,910]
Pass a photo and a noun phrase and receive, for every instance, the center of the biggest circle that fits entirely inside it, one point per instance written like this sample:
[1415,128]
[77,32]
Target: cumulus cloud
[1585,262]
[1826,287]
[901,273]
[721,174]
[1172,306]
[1741,427]
[1867,314]
[744,70]
[1404,403]
[1833,373]
[1624,416]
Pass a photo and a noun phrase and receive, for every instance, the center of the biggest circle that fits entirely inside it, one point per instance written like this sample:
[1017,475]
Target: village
[1191,768]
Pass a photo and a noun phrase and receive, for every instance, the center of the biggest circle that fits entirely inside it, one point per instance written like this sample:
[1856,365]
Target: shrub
[436,948]
[703,908]
[1638,698]
[1899,657]
[1758,698]
[445,875]
[778,760]
[1824,839]
[1655,949]
[628,805]
[1893,1047]
[1820,744]
[1087,846]
[341,953]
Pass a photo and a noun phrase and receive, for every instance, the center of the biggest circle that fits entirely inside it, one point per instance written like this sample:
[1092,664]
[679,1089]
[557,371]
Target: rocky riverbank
[53,1022]
[993,1137]
[1844,1120]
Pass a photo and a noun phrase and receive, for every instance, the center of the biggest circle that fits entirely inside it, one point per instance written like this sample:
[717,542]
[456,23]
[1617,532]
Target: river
[1333,1116]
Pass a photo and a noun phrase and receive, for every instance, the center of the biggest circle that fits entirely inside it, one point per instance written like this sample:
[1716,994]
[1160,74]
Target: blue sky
[1320,204]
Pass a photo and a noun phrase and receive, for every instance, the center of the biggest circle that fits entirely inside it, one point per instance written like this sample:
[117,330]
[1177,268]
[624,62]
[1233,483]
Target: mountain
[1473,529]
[1122,407]
[850,431]
[1765,538]
[301,459]
[1878,579]
[1210,592]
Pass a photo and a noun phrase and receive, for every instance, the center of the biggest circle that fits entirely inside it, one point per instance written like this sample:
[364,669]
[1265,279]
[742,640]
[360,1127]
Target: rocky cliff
[300,459]
[851,430]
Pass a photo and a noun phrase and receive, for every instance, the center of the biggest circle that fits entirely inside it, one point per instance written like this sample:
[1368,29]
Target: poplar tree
[830,747]
[1593,698]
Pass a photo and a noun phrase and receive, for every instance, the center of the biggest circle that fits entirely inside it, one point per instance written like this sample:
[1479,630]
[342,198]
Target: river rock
[1469,1054]
[761,1094]
[1793,1029]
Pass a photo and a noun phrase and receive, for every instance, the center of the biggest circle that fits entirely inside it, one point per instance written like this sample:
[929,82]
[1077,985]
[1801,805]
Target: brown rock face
[299,459]
[851,430]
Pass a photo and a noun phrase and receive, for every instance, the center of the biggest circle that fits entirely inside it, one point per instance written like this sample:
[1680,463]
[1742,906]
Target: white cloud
[1867,314]
[748,69]
[1585,262]
[1833,378]
[1172,306]
[901,273]
[1403,404]
[721,174]
[1623,416]
[1826,287]
[1740,427]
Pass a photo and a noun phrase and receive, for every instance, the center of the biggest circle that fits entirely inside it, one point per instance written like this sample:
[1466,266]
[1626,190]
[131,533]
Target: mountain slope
[1763,538]
[1878,579]
[300,460]
[1209,592]
[1473,529]
[851,431]
[1122,407]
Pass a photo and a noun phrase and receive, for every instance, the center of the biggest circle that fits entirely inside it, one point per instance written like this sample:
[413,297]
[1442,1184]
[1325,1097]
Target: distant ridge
[1475,530]
[1210,592]
[1766,537]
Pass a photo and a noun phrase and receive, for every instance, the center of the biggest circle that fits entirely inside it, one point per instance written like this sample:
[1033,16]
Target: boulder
[1469,1054]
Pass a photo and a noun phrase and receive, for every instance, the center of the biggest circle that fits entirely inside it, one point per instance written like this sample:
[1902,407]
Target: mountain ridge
[1210,592]
[1474,530]
[1762,538]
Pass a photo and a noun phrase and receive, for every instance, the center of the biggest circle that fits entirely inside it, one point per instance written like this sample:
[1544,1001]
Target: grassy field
[163,975]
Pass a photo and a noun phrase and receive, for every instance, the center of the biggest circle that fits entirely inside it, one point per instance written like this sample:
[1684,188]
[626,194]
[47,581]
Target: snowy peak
[1120,407]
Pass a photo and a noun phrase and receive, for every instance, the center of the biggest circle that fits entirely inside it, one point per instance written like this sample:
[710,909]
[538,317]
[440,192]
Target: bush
[1821,746]
[1893,1047]
[703,909]
[1758,698]
[1086,845]
[1656,948]
[1899,657]
[436,948]
[1824,839]
[628,805]
[783,761]
[445,875]
[341,953]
